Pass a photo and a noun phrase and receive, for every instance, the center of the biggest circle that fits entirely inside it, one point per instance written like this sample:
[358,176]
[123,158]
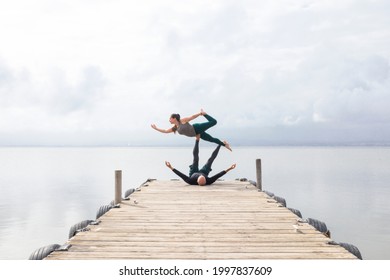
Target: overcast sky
[93,72]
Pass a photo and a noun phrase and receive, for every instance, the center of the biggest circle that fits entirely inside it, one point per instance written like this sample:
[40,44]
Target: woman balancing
[183,126]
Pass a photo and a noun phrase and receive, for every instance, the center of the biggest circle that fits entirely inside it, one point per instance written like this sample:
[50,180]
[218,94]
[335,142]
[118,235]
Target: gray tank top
[186,129]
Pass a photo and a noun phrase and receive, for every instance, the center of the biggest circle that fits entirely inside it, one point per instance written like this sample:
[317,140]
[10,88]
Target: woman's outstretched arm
[188,119]
[169,130]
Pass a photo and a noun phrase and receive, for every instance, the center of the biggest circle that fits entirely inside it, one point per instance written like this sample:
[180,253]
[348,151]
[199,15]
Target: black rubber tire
[352,249]
[296,212]
[129,192]
[43,252]
[270,194]
[83,224]
[280,200]
[103,210]
[318,225]
[252,183]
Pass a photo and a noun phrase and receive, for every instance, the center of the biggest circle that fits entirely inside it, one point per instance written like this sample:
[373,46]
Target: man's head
[201,180]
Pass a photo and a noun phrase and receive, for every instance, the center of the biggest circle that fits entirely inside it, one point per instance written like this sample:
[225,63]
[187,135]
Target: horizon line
[184,145]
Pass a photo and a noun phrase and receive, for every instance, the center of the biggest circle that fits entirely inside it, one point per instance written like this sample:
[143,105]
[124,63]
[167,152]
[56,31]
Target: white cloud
[103,71]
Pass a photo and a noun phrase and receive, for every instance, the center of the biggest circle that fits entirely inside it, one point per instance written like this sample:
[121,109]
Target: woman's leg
[202,127]
[207,137]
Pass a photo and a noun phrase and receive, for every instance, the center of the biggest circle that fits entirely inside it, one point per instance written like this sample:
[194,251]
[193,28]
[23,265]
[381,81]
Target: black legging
[195,164]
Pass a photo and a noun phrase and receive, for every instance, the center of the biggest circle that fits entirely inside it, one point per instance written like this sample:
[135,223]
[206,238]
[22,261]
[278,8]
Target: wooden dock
[227,220]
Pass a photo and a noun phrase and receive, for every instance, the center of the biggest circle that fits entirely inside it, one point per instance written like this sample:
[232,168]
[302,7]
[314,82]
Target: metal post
[258,175]
[118,187]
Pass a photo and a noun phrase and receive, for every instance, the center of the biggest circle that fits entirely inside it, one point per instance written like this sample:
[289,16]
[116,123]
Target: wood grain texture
[227,220]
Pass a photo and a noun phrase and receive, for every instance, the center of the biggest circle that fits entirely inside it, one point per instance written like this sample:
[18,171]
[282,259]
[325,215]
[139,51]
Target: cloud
[101,72]
[63,97]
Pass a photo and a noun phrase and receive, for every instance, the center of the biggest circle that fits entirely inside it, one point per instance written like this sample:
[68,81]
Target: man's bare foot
[197,136]
[202,112]
[227,146]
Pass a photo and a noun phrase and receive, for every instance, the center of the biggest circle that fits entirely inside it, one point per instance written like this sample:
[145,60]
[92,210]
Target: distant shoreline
[207,145]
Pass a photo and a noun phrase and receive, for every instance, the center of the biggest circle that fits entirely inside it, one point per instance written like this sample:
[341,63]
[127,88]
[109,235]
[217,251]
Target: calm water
[44,191]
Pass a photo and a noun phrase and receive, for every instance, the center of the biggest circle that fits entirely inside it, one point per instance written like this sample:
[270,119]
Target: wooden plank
[201,256]
[228,220]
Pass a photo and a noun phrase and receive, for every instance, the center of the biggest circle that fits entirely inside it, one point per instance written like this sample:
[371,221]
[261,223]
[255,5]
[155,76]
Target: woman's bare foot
[227,146]
[202,112]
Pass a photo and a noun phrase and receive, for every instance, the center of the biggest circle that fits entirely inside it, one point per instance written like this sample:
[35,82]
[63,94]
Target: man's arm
[220,174]
[178,173]
[211,180]
[231,167]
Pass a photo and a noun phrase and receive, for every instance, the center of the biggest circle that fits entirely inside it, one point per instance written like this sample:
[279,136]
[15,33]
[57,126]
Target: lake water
[44,191]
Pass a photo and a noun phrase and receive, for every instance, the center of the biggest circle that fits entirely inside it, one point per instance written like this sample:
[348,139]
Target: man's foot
[202,112]
[227,146]
[197,137]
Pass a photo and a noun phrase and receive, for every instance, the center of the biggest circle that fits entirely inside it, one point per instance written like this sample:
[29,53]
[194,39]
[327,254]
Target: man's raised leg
[207,167]
[194,167]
